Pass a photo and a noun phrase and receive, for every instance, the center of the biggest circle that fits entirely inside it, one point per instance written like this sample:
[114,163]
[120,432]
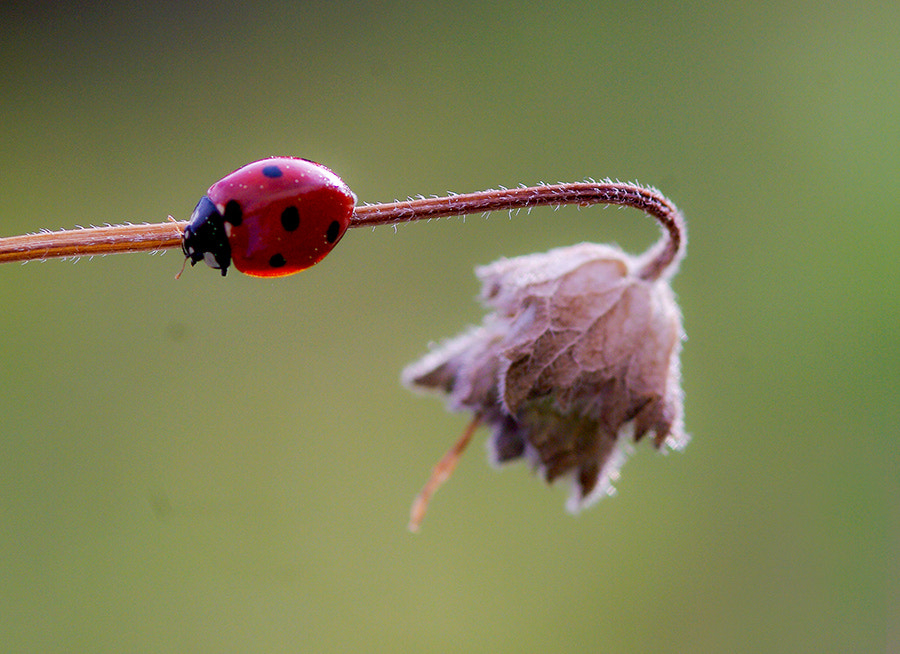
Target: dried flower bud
[579,355]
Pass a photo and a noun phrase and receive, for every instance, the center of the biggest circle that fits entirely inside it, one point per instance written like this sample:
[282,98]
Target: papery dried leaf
[580,353]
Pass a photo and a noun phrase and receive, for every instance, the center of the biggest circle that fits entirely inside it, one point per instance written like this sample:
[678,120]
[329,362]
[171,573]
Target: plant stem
[91,241]
[440,474]
[151,237]
[648,200]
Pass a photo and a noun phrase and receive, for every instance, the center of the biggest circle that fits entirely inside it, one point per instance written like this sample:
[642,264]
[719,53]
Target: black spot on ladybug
[290,219]
[333,230]
[276,261]
[233,213]
[272,171]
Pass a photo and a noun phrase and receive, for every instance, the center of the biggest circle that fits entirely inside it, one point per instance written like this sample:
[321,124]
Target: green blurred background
[226,465]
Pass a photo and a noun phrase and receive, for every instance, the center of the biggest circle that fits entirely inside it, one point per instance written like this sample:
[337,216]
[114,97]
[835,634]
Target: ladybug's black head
[205,239]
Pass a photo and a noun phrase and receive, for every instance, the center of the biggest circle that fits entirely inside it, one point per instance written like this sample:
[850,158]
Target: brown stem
[648,200]
[140,238]
[440,474]
[91,241]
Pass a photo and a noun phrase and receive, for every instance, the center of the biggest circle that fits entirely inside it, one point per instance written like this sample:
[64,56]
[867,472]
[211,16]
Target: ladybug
[272,218]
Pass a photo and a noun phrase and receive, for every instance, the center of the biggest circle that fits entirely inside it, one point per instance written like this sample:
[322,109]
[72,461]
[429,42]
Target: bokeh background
[226,465]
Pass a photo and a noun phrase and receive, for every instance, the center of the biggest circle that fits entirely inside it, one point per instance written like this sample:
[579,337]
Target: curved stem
[140,238]
[648,200]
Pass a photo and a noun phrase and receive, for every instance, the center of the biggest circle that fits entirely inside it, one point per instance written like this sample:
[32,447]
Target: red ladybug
[272,217]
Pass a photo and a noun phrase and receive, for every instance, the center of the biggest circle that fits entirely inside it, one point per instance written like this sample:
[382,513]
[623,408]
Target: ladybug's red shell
[280,215]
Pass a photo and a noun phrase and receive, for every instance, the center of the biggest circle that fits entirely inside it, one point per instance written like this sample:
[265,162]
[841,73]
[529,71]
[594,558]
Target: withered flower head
[580,355]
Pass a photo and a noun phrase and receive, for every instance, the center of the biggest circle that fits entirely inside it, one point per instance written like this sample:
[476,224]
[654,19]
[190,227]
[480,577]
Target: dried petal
[579,355]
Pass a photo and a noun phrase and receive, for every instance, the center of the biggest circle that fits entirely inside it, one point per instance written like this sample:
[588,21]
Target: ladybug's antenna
[183,266]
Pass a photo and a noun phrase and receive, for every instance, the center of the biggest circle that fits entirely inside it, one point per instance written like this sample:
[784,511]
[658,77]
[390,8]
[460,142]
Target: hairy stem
[648,200]
[141,238]
[91,241]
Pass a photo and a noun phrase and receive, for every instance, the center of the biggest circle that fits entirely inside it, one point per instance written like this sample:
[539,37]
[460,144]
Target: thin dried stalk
[441,473]
[114,239]
[152,237]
